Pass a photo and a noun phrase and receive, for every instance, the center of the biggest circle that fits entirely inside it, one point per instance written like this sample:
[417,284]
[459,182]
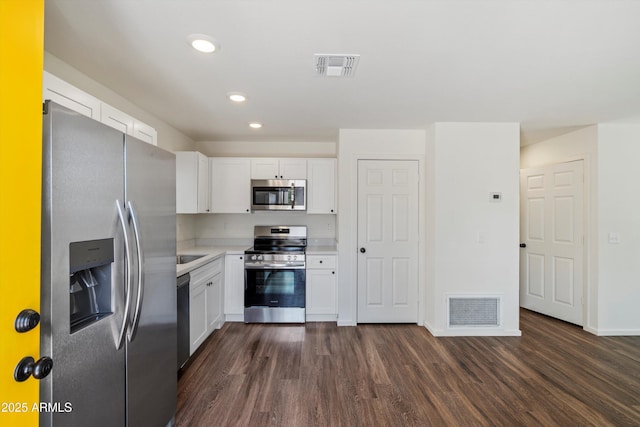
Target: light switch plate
[614,238]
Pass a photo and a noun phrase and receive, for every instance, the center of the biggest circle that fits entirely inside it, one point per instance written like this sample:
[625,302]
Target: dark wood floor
[399,375]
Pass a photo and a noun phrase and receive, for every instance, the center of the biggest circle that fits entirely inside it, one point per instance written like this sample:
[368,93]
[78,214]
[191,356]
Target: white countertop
[322,250]
[210,252]
[213,252]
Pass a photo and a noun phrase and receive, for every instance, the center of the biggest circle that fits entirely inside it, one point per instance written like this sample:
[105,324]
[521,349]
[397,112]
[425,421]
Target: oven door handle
[274,266]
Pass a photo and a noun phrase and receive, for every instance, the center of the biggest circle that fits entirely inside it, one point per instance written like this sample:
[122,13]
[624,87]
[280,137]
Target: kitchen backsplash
[240,226]
[236,229]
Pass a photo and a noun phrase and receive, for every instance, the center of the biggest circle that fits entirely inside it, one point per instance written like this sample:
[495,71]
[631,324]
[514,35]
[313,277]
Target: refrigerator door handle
[127,250]
[136,232]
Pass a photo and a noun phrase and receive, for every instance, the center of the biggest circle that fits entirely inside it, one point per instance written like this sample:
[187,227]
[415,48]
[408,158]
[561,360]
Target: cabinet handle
[333,272]
[240,257]
[320,261]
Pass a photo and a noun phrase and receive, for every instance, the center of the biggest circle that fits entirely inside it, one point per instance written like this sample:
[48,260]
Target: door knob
[523,245]
[26,320]
[28,367]
[363,250]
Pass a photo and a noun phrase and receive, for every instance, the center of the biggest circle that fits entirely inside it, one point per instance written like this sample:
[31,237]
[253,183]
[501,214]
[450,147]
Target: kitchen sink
[184,259]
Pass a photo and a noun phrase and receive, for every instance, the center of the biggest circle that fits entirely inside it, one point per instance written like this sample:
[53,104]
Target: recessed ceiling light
[203,43]
[255,125]
[237,97]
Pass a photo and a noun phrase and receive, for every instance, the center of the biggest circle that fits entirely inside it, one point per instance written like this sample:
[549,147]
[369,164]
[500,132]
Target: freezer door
[82,179]
[152,343]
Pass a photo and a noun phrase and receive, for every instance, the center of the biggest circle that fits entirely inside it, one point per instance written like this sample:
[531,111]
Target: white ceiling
[552,65]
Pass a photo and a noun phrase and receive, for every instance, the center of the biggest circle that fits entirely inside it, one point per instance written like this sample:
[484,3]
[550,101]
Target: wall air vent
[474,311]
[336,65]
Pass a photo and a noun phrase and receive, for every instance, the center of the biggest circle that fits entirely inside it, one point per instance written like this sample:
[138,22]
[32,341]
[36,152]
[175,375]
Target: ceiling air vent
[336,65]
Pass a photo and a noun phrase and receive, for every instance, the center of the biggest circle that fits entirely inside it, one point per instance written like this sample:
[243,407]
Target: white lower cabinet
[197,315]
[234,288]
[321,288]
[205,302]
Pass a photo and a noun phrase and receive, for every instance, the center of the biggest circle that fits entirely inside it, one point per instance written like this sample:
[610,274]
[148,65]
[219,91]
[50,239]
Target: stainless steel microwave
[279,194]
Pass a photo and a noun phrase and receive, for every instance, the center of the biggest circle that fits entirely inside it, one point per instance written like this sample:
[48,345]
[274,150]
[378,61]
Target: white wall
[355,144]
[580,144]
[618,211]
[473,241]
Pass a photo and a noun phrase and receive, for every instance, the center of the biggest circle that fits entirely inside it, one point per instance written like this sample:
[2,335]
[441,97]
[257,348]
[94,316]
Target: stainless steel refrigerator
[108,297]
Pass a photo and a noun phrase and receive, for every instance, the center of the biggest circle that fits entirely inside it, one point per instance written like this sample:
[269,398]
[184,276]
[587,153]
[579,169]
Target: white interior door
[551,227]
[388,241]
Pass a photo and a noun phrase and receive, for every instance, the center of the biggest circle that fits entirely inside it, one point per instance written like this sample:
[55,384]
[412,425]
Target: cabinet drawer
[207,270]
[321,261]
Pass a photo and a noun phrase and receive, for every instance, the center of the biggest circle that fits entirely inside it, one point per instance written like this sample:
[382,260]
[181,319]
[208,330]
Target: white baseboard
[612,332]
[234,317]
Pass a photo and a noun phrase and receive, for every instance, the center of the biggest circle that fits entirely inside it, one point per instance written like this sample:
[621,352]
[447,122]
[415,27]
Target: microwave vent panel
[336,65]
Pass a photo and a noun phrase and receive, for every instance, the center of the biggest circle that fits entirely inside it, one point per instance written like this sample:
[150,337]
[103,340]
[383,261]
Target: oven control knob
[254,257]
[260,257]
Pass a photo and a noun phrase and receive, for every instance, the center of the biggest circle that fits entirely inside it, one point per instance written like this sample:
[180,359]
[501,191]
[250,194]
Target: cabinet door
[234,285]
[214,302]
[69,96]
[264,168]
[116,119]
[293,168]
[203,183]
[145,133]
[197,315]
[192,182]
[321,292]
[321,186]
[230,185]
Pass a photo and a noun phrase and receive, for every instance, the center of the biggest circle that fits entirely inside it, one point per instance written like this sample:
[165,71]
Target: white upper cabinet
[321,186]
[271,168]
[192,182]
[145,133]
[230,184]
[69,96]
[116,119]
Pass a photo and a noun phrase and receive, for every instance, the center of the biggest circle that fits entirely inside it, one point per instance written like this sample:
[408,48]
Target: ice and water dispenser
[89,282]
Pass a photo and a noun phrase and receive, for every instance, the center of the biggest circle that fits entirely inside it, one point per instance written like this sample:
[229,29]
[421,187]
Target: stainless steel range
[274,275]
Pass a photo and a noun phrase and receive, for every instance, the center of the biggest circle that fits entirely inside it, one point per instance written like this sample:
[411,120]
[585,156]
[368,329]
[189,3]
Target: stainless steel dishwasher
[183,319]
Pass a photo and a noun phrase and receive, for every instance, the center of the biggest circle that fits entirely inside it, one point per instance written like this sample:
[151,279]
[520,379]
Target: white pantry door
[388,241]
[551,227]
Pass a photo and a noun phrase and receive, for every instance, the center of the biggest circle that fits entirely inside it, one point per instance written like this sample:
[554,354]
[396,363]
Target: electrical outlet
[495,197]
